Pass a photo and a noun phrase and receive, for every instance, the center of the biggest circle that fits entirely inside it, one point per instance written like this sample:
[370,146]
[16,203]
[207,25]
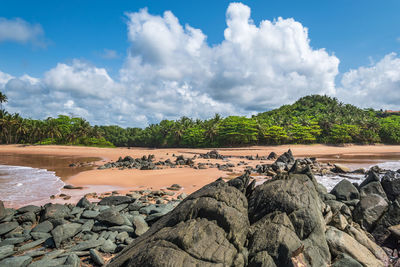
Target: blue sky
[359,34]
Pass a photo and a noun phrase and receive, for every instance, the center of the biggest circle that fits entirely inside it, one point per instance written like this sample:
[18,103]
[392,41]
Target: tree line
[311,119]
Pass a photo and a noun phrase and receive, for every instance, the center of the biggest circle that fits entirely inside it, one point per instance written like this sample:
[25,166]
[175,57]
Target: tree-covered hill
[311,119]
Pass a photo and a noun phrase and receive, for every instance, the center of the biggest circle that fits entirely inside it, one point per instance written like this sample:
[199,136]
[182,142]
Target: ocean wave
[20,185]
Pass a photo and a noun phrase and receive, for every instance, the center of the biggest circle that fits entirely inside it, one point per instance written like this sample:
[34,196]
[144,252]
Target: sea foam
[23,185]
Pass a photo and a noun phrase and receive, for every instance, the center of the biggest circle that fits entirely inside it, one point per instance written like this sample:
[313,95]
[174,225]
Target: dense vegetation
[312,119]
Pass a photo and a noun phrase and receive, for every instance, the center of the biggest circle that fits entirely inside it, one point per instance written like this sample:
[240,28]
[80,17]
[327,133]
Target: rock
[88,245]
[27,217]
[31,245]
[54,212]
[371,177]
[96,257]
[345,190]
[275,235]
[108,247]
[175,187]
[40,235]
[65,231]
[295,195]
[111,217]
[90,214]
[6,251]
[70,187]
[83,203]
[391,184]
[12,241]
[73,260]
[390,218]
[358,234]
[209,226]
[339,221]
[339,242]
[140,225]
[369,210]
[49,262]
[20,261]
[344,260]
[272,155]
[339,168]
[29,208]
[43,227]
[2,210]
[395,230]
[116,200]
[7,227]
[373,188]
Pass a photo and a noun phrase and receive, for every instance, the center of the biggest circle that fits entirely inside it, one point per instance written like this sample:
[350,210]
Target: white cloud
[376,86]
[18,30]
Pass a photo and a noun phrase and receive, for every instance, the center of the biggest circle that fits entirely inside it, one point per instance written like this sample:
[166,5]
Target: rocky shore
[289,220]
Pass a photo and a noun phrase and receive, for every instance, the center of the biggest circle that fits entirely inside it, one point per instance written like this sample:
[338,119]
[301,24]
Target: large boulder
[110,217]
[296,196]
[208,228]
[371,177]
[65,231]
[369,210]
[342,243]
[390,218]
[284,162]
[391,184]
[345,190]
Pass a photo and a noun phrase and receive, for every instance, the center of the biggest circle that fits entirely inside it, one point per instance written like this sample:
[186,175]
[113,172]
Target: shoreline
[101,181]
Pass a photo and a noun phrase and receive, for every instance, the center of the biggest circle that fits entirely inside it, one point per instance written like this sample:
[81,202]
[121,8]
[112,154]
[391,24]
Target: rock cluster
[290,220]
[55,234]
[213,154]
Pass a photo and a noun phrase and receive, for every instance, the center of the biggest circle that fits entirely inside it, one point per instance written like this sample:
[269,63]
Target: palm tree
[3,99]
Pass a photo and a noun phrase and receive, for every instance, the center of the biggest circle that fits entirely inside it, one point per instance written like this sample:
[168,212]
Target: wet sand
[191,179]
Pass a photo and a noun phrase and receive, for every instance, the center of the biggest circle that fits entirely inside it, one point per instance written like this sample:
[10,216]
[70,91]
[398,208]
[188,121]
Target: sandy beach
[100,181]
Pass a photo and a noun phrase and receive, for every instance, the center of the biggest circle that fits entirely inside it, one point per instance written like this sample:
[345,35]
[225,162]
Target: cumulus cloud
[171,71]
[18,30]
[376,86]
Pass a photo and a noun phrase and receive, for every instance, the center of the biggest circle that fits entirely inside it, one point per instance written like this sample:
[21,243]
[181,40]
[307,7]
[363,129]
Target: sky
[133,63]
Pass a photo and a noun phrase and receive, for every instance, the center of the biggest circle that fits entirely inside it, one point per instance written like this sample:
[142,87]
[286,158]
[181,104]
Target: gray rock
[373,188]
[88,245]
[392,217]
[20,261]
[90,214]
[27,217]
[344,260]
[6,251]
[12,241]
[48,262]
[140,225]
[87,226]
[371,177]
[43,227]
[369,210]
[54,212]
[108,246]
[339,168]
[391,184]
[7,227]
[29,208]
[73,260]
[116,200]
[295,195]
[31,245]
[122,228]
[111,217]
[40,235]
[96,257]
[340,242]
[345,190]
[83,203]
[65,231]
